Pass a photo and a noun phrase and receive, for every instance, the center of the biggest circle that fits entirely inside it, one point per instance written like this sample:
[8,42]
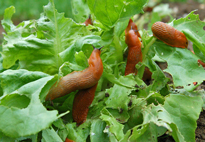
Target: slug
[133,26]
[89,21]
[83,99]
[78,80]
[134,52]
[68,140]
[169,35]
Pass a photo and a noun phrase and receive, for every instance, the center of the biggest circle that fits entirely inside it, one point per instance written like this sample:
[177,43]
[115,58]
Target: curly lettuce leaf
[19,78]
[38,43]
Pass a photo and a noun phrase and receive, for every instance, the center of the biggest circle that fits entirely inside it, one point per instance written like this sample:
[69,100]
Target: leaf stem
[57,42]
[144,56]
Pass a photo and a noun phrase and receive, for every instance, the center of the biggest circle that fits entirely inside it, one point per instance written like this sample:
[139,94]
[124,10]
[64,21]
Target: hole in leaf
[179,87]
[188,84]
[47,20]
[100,100]
[189,18]
[204,28]
[130,103]
[121,110]
[160,110]
[107,94]
[131,131]
[159,119]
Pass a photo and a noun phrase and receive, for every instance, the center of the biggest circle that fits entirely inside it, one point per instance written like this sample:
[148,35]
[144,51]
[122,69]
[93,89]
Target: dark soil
[200,130]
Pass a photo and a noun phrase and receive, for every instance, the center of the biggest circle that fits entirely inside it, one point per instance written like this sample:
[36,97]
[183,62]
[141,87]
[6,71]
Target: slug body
[133,26]
[83,99]
[134,52]
[68,140]
[78,80]
[169,35]
[89,21]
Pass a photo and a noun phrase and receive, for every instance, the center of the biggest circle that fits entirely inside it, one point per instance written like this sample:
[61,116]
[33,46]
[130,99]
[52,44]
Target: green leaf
[4,138]
[135,112]
[120,115]
[80,10]
[198,53]
[49,135]
[160,79]
[78,134]
[69,53]
[96,132]
[148,132]
[6,22]
[175,115]
[19,77]
[37,44]
[81,59]
[110,12]
[30,120]
[182,65]
[119,94]
[113,126]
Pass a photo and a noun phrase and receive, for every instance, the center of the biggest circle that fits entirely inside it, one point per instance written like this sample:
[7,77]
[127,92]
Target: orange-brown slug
[83,99]
[78,80]
[169,35]
[134,52]
[133,26]
[88,21]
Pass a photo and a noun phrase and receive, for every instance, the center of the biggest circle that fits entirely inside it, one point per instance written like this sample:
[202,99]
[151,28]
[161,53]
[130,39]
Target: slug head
[95,63]
[132,39]
[133,26]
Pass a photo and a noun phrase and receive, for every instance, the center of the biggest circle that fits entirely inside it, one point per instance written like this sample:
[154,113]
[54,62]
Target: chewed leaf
[114,127]
[109,12]
[31,119]
[19,78]
[182,65]
[37,44]
[176,115]
[119,94]
[96,132]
